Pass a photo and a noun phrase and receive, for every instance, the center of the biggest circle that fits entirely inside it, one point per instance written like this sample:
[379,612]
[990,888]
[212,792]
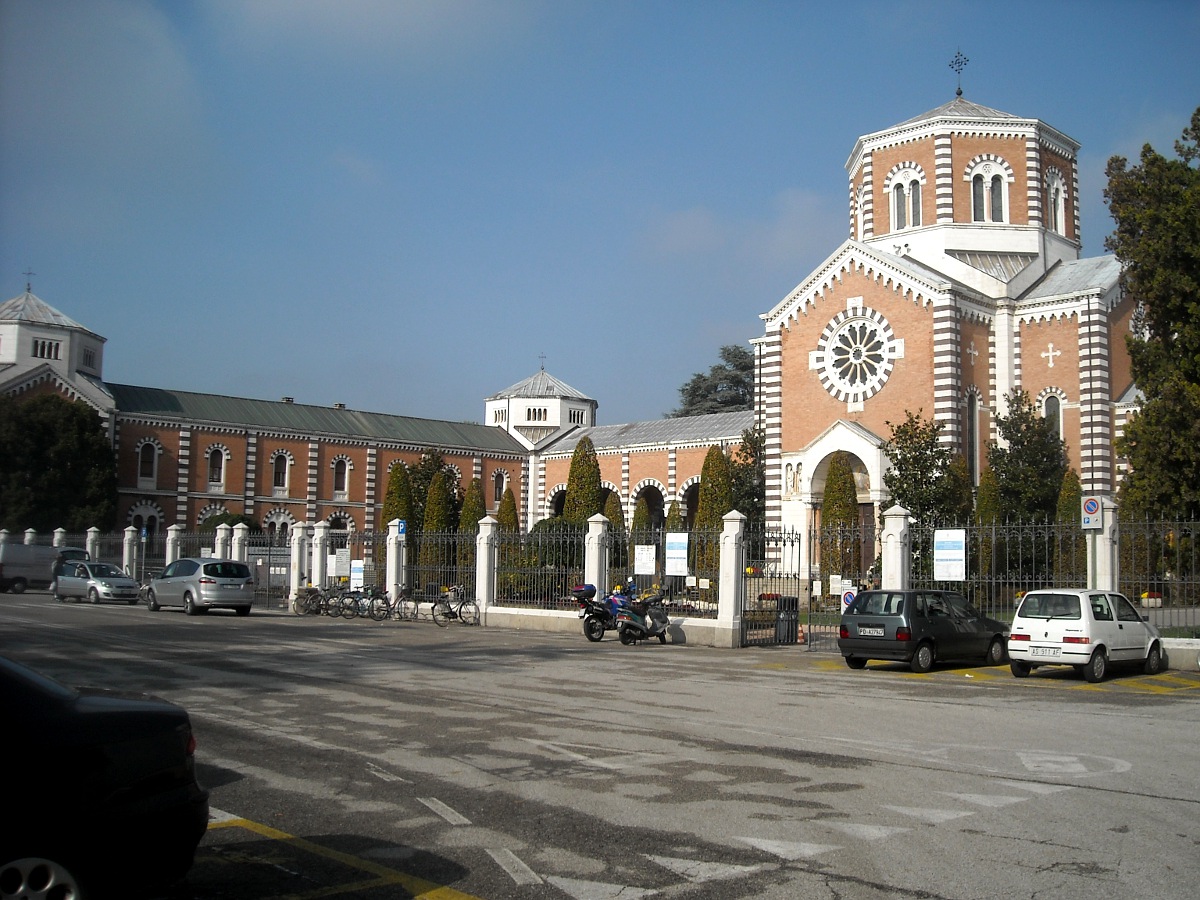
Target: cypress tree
[432,553]
[468,524]
[397,502]
[715,501]
[584,491]
[506,515]
[841,552]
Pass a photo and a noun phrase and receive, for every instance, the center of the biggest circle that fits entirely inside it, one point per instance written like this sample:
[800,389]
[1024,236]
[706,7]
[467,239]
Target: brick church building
[960,280]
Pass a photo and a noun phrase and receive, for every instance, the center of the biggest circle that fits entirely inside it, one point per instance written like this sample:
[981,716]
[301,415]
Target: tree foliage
[1156,207]
[715,497]
[434,551]
[923,477]
[1029,461]
[584,492]
[56,466]
[727,387]
[398,501]
[506,515]
[841,552]
[472,508]
[674,523]
[616,520]
[748,475]
[421,478]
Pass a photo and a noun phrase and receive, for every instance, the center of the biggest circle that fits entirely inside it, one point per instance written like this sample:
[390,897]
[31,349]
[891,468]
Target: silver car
[96,581]
[201,584]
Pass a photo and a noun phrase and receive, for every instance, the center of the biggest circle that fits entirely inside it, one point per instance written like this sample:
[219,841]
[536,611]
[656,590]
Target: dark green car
[919,628]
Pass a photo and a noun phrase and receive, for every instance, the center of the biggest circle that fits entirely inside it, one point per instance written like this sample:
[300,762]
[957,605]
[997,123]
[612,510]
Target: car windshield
[227,570]
[1050,606]
[878,603]
[106,571]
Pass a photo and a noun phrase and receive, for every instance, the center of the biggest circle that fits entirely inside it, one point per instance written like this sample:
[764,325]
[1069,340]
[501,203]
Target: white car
[1087,629]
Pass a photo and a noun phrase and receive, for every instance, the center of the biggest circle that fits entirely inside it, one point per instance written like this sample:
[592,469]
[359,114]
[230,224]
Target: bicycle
[405,607]
[455,604]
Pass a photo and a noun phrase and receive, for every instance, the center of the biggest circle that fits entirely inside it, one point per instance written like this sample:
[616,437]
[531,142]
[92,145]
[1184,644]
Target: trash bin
[787,620]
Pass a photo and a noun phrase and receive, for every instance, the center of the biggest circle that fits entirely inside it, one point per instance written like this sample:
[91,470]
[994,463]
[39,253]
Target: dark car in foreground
[919,628]
[100,794]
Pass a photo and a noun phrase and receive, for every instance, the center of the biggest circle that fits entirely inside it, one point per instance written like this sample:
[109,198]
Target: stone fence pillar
[299,548]
[731,584]
[595,553]
[174,539]
[485,564]
[896,550]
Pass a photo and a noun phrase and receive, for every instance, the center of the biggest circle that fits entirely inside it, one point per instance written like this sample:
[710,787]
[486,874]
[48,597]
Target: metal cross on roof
[28,273]
[958,64]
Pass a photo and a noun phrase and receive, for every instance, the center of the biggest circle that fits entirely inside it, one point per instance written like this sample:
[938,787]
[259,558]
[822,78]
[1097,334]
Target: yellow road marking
[417,887]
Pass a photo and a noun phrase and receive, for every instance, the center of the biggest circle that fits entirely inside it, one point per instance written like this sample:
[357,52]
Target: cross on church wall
[973,353]
[1049,355]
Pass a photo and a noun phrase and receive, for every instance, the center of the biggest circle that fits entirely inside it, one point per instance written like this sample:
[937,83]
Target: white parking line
[517,870]
[444,811]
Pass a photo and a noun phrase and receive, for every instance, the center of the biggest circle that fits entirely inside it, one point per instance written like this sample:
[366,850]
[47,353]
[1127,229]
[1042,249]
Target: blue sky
[402,206]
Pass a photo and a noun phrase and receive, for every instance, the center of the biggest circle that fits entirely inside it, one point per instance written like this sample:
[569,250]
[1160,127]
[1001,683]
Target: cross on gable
[972,352]
[1049,355]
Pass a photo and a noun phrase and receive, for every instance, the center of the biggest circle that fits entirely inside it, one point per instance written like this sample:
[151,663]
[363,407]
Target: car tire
[189,605]
[17,586]
[996,652]
[856,662]
[1154,663]
[36,876]
[1019,668]
[152,602]
[93,595]
[922,660]
[242,611]
[1097,667]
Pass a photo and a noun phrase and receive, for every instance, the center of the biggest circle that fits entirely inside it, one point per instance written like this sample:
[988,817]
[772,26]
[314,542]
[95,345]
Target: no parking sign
[1091,512]
[847,598]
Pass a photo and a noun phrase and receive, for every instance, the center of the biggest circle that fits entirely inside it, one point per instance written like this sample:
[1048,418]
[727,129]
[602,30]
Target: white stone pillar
[30,535]
[60,538]
[92,545]
[595,552]
[299,538]
[1104,549]
[221,542]
[319,568]
[896,550]
[397,552]
[129,551]
[731,582]
[485,564]
[241,542]
[174,538]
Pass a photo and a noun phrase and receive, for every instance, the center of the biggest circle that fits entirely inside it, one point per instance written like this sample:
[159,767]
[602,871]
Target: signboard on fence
[677,554]
[644,558]
[1090,513]
[950,554]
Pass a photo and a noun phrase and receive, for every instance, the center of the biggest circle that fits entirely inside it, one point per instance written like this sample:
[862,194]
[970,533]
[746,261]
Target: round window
[856,353]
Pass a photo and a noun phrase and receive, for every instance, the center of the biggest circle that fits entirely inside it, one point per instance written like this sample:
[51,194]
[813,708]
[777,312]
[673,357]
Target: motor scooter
[643,619]
[598,615]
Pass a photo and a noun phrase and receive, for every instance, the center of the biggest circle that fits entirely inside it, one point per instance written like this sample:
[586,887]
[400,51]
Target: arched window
[279,473]
[339,477]
[989,177]
[914,193]
[216,466]
[1056,203]
[899,208]
[147,457]
[498,487]
[972,436]
[1052,413]
[905,190]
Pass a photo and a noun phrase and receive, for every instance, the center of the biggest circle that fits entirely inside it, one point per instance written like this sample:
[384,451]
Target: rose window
[855,354]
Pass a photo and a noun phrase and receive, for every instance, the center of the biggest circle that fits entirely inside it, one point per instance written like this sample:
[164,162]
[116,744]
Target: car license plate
[1044,651]
[236,587]
[870,630]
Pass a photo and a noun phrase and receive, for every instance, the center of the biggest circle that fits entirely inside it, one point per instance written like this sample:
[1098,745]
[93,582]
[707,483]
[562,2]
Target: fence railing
[537,570]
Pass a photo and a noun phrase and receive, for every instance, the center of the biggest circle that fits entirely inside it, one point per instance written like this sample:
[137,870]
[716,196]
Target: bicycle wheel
[378,608]
[349,606]
[468,612]
[441,613]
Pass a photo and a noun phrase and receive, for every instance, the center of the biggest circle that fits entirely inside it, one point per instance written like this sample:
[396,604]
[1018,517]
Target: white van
[1082,628]
[32,565]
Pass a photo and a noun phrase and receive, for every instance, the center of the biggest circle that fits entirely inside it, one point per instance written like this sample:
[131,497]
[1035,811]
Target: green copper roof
[204,409]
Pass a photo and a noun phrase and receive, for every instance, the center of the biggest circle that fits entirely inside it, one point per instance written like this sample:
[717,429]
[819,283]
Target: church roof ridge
[30,308]
[540,385]
[961,108]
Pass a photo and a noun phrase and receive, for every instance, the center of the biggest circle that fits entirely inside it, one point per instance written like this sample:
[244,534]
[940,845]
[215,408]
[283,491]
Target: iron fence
[537,570]
[437,560]
[693,595]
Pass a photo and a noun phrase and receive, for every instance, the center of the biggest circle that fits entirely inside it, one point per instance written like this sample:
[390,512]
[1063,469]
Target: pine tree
[841,553]
[397,502]
[584,490]
[468,524]
[715,501]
